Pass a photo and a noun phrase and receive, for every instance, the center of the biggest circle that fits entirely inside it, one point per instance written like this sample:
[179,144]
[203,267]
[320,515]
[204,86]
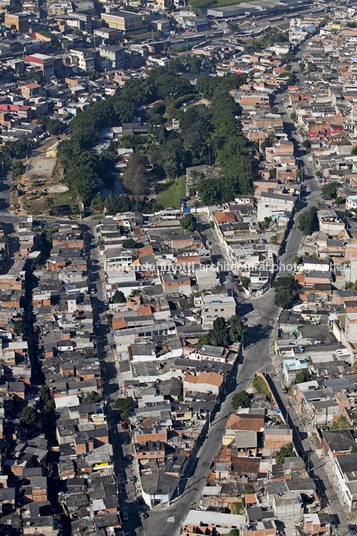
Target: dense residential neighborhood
[178,268]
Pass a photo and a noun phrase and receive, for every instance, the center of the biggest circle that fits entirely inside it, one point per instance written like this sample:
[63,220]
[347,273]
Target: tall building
[18,20]
[113,56]
[127,22]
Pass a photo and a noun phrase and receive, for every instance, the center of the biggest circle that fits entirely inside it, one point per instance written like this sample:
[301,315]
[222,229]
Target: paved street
[260,318]
[166,521]
[123,468]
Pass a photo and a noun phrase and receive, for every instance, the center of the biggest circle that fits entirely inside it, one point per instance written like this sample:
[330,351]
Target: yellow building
[127,22]
[18,20]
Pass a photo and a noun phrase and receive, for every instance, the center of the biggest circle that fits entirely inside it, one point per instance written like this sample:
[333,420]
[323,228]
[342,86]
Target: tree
[235,329]
[311,67]
[293,116]
[275,110]
[241,400]
[28,416]
[124,405]
[302,376]
[272,174]
[18,168]
[306,144]
[47,401]
[134,178]
[109,319]
[92,398]
[118,297]
[308,221]
[19,327]
[188,222]
[285,452]
[267,220]
[296,259]
[218,333]
[48,203]
[330,189]
[245,282]
[354,150]
[223,333]
[97,203]
[268,142]
[233,532]
[285,290]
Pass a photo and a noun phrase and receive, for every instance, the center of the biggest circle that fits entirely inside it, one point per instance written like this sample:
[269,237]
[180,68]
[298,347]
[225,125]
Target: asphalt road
[166,521]
[127,490]
[261,315]
[313,194]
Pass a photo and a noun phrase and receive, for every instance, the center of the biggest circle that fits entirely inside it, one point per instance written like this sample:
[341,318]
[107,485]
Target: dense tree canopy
[134,178]
[308,221]
[223,333]
[188,222]
[285,452]
[28,416]
[208,135]
[330,189]
[240,400]
[285,290]
[118,297]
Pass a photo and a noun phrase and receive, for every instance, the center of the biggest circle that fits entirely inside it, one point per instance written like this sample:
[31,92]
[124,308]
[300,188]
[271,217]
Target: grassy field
[146,35]
[171,197]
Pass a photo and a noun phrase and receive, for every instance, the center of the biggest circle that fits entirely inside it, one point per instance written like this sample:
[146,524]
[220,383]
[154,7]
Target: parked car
[132,479]
[352,529]
[123,425]
[125,515]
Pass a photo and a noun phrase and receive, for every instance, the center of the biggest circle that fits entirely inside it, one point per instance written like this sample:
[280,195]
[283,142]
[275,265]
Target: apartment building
[214,306]
[127,22]
[83,59]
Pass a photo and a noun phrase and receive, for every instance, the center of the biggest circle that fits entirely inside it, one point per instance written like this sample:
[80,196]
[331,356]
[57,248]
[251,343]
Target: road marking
[171,519]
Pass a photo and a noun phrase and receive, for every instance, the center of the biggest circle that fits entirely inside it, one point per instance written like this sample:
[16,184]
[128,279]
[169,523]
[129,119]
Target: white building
[351,202]
[83,59]
[271,205]
[214,306]
[330,223]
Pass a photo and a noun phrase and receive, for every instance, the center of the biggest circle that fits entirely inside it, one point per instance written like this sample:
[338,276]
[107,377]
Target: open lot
[171,197]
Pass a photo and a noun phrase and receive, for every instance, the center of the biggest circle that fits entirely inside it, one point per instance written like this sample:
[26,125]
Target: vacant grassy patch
[146,35]
[171,198]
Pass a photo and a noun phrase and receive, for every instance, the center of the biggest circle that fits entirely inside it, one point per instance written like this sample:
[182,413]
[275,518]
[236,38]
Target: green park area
[171,197]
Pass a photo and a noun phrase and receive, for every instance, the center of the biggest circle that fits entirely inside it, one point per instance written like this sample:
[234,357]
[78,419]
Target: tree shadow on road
[257,333]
